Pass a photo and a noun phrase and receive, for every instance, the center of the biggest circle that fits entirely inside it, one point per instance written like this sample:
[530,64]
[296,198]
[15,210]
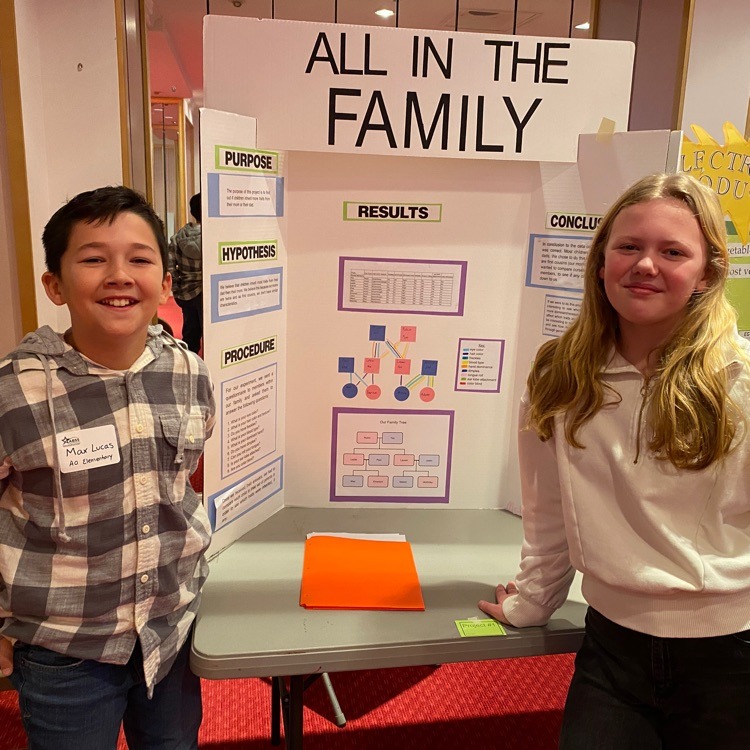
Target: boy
[101,535]
[185,265]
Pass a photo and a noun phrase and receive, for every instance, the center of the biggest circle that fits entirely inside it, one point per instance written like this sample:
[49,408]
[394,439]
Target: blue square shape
[346,364]
[377,333]
[429,367]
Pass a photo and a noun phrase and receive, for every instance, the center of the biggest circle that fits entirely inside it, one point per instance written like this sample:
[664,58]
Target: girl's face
[654,260]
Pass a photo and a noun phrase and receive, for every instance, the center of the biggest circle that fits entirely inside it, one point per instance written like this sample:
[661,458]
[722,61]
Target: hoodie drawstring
[57,500]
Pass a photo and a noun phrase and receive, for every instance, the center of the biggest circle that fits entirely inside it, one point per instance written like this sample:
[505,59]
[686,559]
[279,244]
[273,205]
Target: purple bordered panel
[269,208]
[557,261]
[234,487]
[249,382]
[419,456]
[402,285]
[465,364]
[227,290]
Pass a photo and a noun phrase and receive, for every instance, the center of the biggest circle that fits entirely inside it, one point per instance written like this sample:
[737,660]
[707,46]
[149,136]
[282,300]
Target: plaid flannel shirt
[93,559]
[186,262]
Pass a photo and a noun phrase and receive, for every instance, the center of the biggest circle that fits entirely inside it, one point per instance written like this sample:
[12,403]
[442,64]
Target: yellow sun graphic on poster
[726,170]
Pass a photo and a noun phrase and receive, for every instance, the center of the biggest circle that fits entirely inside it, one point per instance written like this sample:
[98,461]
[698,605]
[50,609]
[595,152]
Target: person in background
[185,265]
[102,538]
[635,470]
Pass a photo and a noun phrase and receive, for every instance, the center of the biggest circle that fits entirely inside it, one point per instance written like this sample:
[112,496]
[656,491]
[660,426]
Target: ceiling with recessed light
[175,27]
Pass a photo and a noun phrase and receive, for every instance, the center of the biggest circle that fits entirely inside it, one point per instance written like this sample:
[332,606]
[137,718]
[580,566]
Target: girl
[635,470]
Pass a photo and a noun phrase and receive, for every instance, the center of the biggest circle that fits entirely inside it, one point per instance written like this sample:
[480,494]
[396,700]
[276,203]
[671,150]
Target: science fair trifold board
[394,221]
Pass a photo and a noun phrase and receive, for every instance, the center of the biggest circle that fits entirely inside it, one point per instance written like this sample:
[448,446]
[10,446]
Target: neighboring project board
[725,168]
[390,317]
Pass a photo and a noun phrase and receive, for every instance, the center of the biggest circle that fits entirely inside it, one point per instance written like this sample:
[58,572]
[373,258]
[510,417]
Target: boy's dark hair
[98,206]
[195,207]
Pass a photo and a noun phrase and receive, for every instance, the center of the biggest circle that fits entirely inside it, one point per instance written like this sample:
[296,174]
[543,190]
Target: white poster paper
[370,90]
[244,269]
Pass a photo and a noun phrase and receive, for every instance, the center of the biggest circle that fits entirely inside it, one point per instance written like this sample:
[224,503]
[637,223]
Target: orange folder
[341,573]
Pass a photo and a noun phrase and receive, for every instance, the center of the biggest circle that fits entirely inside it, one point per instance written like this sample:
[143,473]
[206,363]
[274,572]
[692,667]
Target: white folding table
[250,623]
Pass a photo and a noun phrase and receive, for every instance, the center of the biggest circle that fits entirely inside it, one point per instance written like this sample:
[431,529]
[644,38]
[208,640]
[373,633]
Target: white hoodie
[663,551]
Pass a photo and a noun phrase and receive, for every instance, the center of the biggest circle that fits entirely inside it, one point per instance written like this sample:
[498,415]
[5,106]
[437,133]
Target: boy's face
[112,280]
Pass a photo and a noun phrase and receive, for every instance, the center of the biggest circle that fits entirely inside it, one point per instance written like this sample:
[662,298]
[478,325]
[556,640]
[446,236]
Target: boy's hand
[6,657]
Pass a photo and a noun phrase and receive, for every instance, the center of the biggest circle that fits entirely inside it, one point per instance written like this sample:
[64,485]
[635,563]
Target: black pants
[192,321]
[631,690]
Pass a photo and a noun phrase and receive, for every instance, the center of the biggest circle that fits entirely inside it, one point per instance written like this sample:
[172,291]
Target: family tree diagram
[383,349]
[395,455]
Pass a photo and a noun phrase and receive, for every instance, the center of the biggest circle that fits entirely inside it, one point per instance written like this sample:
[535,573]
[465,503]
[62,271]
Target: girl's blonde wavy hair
[692,419]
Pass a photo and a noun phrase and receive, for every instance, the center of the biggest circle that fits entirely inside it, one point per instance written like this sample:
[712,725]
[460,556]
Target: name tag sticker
[472,628]
[88,449]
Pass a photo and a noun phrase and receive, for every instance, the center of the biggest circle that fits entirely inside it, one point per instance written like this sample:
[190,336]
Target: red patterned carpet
[513,704]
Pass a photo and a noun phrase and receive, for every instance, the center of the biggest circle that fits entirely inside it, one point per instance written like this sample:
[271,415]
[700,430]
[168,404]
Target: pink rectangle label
[402,367]
[403,459]
[408,333]
[354,459]
[372,365]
